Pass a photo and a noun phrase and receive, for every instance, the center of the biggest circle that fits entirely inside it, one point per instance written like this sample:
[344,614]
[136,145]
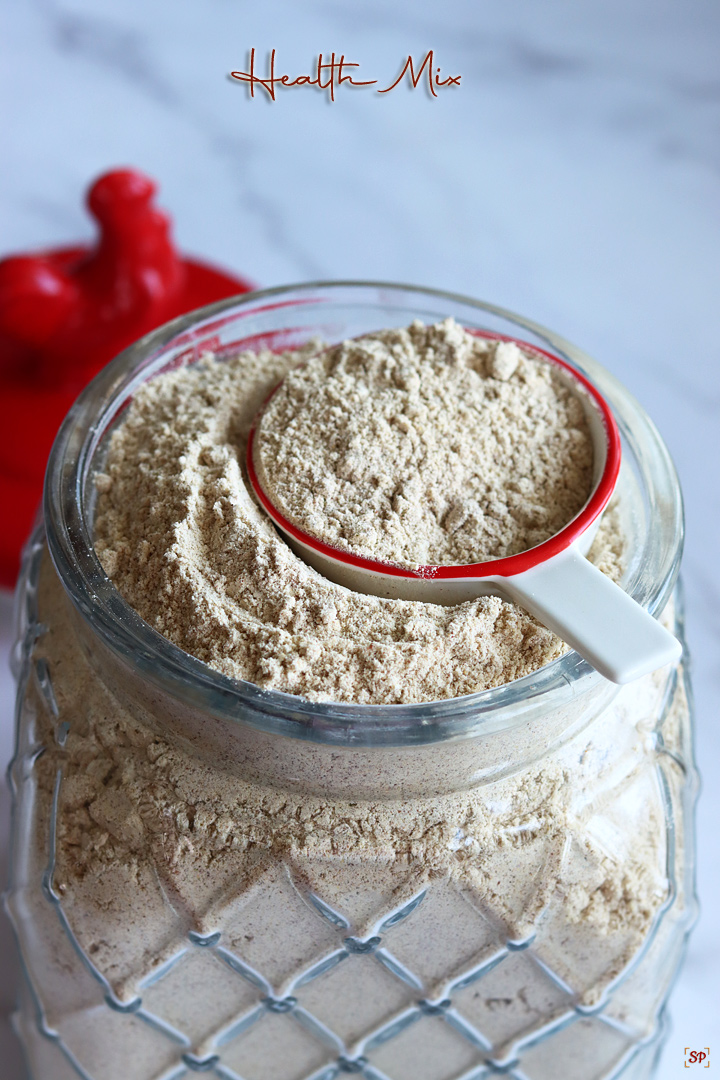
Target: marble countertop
[572,176]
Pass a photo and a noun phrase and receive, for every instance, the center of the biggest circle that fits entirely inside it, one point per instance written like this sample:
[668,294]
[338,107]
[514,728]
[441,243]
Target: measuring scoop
[554,581]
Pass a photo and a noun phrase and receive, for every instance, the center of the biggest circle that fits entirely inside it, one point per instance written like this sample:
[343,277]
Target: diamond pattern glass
[292,984]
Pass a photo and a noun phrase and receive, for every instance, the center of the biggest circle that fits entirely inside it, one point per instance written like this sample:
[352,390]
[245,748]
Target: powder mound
[188,548]
[426,445]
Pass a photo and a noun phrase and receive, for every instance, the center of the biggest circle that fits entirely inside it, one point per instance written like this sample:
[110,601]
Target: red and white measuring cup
[554,581]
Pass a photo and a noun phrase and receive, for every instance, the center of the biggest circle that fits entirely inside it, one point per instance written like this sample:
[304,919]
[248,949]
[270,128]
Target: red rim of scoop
[506,567]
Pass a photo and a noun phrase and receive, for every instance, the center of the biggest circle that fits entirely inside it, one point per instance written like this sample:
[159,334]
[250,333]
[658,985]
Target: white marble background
[574,177]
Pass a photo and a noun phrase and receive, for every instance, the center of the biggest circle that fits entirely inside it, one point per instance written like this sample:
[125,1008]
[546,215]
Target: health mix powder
[426,445]
[180,536]
[177,876]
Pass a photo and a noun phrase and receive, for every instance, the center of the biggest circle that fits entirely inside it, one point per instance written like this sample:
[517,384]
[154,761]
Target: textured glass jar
[495,884]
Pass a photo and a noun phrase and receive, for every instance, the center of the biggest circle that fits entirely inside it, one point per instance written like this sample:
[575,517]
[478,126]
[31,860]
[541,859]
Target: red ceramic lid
[65,312]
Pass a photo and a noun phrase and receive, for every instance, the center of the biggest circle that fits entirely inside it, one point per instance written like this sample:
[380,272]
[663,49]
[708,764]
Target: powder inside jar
[426,445]
[179,534]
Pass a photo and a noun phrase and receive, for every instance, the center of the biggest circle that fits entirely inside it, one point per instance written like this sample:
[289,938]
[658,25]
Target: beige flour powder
[179,535]
[155,845]
[426,445]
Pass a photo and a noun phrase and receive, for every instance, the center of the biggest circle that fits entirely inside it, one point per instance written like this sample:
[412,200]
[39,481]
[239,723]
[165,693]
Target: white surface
[573,177]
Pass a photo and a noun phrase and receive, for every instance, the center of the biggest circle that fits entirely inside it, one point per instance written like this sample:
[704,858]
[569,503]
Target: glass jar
[500,883]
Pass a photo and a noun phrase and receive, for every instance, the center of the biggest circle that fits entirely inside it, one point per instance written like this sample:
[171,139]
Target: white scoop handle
[593,615]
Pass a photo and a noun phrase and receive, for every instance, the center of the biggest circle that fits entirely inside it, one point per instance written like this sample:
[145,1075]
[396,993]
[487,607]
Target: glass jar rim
[123,630]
